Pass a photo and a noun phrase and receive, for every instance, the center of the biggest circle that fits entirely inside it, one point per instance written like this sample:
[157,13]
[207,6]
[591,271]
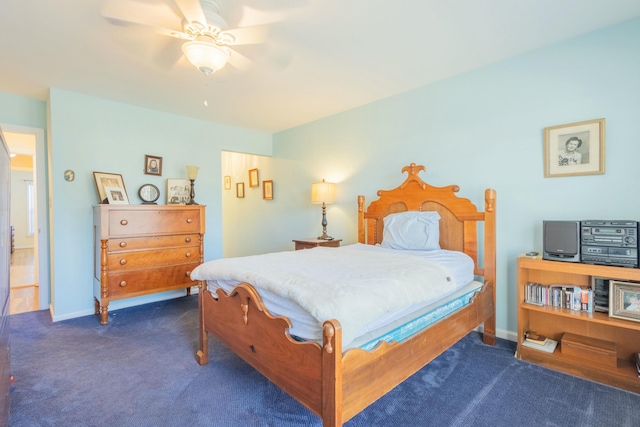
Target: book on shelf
[548,347]
[535,338]
[560,295]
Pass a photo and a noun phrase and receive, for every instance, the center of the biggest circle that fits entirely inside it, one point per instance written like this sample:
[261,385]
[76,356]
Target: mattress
[393,325]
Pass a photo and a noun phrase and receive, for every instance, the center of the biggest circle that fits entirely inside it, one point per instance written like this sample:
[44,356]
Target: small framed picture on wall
[240,190]
[152,165]
[253,178]
[267,190]
[574,149]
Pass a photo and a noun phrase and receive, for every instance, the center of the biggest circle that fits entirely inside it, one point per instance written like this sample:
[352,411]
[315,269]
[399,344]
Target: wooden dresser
[143,249]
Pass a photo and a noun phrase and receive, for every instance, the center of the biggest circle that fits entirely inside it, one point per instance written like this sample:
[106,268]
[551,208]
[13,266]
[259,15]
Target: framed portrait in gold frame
[253,178]
[267,190]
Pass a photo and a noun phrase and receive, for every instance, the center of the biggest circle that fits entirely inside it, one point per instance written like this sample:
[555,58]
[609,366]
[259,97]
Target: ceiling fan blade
[167,54]
[157,15]
[252,16]
[249,35]
[239,61]
[192,11]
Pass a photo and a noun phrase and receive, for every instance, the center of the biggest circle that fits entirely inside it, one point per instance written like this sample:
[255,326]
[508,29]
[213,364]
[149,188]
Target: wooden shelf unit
[555,321]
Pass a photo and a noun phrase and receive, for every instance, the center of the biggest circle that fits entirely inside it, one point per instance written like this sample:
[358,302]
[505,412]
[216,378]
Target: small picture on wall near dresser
[152,165]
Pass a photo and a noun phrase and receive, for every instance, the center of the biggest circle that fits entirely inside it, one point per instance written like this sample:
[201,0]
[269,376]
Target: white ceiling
[320,57]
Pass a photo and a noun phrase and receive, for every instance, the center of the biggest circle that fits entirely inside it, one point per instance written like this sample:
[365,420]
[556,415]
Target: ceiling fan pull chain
[206,90]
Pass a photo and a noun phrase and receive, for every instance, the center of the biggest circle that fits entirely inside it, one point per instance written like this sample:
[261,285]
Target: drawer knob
[123,261]
[189,220]
[123,244]
[124,222]
[188,254]
[188,274]
[188,240]
[123,283]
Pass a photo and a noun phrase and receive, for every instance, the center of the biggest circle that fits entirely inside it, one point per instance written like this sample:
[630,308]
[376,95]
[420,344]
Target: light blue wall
[22,111]
[90,134]
[485,129]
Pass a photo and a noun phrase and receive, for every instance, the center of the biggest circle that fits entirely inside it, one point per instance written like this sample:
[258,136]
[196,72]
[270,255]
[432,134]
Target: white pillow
[412,230]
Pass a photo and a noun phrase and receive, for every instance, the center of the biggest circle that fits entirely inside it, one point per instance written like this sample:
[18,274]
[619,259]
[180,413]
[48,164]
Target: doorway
[29,260]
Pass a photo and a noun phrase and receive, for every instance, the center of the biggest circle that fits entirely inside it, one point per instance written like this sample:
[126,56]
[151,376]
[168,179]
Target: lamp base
[193,193]
[325,237]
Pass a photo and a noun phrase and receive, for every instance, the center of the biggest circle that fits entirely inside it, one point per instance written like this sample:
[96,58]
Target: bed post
[331,374]
[202,355]
[361,226]
[489,333]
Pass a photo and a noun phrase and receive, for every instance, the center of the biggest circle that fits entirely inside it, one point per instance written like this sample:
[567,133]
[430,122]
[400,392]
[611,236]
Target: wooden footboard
[333,385]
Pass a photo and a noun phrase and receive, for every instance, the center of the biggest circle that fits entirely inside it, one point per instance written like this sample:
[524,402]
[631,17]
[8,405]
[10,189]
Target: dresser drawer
[125,244]
[159,258]
[136,222]
[152,279]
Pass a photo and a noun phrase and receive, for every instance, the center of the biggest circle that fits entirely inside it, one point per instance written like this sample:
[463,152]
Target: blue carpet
[140,370]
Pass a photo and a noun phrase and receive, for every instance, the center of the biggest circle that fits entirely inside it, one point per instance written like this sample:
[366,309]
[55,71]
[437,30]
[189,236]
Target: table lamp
[192,174]
[323,192]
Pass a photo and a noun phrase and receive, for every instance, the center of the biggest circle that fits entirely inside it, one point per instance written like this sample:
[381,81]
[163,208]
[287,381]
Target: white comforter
[353,286]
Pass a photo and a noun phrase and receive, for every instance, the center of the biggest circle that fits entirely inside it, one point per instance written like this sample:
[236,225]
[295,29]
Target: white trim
[40,184]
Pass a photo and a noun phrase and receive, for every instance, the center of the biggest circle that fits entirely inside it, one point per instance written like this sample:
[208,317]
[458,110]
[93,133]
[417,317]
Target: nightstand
[314,243]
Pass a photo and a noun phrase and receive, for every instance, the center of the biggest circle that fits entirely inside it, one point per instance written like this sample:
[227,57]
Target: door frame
[42,208]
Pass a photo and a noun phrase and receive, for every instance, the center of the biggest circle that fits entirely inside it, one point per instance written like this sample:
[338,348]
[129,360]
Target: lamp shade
[323,192]
[192,172]
[205,55]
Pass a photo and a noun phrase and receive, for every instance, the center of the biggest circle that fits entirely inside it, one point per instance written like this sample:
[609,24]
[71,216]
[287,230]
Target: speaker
[561,240]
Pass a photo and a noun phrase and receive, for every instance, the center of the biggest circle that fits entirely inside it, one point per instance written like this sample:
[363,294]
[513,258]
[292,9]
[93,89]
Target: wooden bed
[334,385]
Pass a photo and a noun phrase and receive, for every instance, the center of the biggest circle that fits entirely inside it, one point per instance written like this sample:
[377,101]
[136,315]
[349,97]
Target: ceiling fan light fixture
[206,56]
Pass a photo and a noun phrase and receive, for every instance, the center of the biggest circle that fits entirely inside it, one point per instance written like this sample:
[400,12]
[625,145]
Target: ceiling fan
[207,40]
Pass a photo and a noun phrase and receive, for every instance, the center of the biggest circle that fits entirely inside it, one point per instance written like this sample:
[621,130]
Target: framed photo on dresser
[112,180]
[178,191]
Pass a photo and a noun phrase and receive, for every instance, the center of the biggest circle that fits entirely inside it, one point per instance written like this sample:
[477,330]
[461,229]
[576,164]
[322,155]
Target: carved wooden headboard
[459,217]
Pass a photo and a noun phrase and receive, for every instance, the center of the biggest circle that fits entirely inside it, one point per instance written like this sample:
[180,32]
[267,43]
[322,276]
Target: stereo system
[592,242]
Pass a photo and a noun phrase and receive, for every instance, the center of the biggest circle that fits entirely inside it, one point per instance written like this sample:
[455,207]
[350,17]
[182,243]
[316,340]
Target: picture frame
[105,179]
[267,190]
[116,196]
[624,300]
[575,149]
[227,182]
[178,191]
[152,165]
[240,190]
[253,178]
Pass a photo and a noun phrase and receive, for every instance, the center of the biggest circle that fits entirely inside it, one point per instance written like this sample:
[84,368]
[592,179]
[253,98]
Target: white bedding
[362,286]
